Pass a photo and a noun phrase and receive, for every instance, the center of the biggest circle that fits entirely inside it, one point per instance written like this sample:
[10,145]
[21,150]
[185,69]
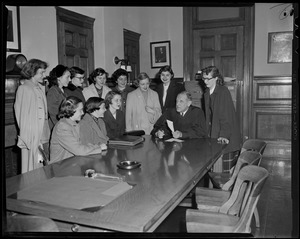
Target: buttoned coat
[65,141]
[91,91]
[31,115]
[224,121]
[173,90]
[137,117]
[54,98]
[92,132]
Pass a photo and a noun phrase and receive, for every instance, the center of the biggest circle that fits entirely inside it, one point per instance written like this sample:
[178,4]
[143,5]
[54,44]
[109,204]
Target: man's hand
[223,140]
[177,134]
[160,134]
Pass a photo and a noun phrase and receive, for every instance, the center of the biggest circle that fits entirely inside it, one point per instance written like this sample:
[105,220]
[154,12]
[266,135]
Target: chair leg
[256,216]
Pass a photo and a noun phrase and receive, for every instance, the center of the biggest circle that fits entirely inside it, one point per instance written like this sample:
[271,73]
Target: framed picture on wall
[280,47]
[13,29]
[160,54]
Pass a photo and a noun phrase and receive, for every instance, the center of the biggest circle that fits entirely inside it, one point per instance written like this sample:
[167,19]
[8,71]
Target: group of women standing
[82,119]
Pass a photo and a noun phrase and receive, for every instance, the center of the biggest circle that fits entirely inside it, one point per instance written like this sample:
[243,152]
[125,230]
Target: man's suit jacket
[172,92]
[191,125]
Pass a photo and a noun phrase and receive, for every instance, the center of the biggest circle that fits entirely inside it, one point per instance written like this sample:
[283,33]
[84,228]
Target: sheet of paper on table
[75,192]
[174,140]
[170,125]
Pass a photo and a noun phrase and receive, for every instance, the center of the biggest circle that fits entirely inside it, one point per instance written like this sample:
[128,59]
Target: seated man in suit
[188,120]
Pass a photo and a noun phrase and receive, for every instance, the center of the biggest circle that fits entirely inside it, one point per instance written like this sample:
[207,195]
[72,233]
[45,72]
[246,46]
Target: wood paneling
[12,161]
[273,124]
[271,113]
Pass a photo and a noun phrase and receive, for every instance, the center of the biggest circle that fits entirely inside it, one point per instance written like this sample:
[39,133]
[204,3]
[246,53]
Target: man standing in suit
[188,120]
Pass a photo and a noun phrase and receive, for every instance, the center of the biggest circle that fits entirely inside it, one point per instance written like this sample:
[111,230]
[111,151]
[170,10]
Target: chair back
[245,158]
[255,178]
[44,156]
[254,145]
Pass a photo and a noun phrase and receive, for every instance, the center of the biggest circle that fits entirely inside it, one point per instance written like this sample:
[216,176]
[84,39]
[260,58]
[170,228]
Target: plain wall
[39,33]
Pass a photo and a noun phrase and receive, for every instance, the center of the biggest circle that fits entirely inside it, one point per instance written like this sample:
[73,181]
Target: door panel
[132,52]
[75,40]
[223,48]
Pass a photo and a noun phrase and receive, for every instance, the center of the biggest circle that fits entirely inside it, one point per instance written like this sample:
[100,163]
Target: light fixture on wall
[124,63]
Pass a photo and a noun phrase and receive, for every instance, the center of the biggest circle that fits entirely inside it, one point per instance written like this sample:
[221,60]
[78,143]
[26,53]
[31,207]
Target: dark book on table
[130,140]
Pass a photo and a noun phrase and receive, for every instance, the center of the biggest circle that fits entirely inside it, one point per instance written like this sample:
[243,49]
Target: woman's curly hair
[68,107]
[95,73]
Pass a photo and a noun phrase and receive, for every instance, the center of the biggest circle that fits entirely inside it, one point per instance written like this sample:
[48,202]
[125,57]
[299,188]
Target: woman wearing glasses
[75,86]
[221,119]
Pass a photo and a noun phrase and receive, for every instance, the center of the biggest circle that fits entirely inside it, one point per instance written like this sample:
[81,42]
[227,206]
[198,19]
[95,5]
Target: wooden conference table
[169,170]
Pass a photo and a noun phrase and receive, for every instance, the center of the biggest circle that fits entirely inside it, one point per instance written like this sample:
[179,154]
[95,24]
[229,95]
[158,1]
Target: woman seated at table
[188,121]
[142,106]
[114,118]
[92,126]
[65,140]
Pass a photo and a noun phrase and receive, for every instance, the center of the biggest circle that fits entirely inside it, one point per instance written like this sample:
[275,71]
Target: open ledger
[75,192]
[129,140]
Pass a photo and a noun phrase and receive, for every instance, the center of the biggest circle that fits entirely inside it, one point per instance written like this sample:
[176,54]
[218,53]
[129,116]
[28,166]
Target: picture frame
[280,47]
[160,53]
[13,29]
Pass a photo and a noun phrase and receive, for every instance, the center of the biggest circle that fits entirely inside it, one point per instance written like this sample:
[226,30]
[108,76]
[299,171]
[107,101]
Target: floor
[274,206]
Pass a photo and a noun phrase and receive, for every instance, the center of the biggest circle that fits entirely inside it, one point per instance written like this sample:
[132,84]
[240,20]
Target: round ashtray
[128,164]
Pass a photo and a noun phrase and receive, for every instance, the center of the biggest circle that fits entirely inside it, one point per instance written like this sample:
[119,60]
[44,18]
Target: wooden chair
[247,189]
[26,223]
[45,157]
[218,179]
[211,199]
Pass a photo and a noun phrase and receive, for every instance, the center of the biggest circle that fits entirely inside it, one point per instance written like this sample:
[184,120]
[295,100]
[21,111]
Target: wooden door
[132,52]
[75,40]
[223,48]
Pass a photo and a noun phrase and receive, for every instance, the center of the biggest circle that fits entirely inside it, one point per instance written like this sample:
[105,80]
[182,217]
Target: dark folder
[129,140]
